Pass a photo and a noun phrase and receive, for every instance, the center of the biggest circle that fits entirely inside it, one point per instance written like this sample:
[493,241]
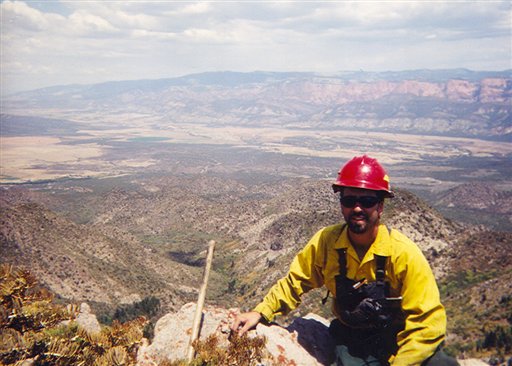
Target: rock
[172,333]
[305,342]
[88,320]
[472,362]
[28,362]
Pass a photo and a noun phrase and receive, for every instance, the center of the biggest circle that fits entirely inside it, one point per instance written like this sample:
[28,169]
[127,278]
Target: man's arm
[305,273]
[425,323]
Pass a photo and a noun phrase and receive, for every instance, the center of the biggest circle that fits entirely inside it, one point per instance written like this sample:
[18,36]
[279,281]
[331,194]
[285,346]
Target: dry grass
[35,329]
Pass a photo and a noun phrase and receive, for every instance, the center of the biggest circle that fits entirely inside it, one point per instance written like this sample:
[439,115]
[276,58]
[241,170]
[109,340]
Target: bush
[241,351]
[147,307]
[499,338]
[33,327]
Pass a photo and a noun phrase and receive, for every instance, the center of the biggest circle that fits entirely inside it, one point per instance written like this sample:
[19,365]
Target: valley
[109,193]
[74,156]
[427,165]
[434,130]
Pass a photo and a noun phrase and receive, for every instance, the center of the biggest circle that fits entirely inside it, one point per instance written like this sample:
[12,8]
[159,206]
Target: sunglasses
[364,201]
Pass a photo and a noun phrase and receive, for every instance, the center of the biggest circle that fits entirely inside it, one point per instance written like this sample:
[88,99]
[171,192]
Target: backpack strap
[341,257]
[342,264]
[380,272]
[380,262]
[342,261]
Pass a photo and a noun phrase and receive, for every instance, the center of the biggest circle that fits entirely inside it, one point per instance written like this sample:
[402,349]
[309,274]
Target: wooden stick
[200,302]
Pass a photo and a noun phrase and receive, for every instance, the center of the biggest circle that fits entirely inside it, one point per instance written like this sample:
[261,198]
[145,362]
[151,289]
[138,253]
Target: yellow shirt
[407,270]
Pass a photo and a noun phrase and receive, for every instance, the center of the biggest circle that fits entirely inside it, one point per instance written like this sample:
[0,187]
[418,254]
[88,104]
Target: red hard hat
[363,172]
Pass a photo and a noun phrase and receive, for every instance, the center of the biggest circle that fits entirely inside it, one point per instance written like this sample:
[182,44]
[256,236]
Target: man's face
[361,209]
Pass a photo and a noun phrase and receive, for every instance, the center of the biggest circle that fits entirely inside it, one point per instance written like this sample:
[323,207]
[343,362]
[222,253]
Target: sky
[46,43]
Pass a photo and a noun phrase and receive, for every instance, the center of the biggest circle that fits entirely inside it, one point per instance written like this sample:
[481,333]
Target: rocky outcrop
[472,362]
[305,342]
[87,320]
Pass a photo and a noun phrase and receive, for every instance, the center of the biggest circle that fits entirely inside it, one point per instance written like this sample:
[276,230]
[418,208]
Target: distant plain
[95,152]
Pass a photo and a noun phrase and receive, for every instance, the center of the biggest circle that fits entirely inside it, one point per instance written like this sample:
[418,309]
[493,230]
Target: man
[386,300]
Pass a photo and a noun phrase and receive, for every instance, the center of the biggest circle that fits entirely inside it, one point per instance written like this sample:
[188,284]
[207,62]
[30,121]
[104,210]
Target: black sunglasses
[364,201]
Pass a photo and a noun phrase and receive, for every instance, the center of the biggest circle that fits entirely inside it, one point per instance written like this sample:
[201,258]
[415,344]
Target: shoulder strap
[380,261]
[380,271]
[342,261]
[341,257]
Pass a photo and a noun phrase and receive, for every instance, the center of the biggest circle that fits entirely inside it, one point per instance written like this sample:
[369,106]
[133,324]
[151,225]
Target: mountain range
[444,102]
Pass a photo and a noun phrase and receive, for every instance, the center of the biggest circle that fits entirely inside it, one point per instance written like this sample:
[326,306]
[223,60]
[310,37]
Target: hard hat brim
[387,194]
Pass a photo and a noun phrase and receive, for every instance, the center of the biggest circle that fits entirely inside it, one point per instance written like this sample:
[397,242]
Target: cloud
[151,39]
[197,8]
[18,15]
[122,19]
[153,36]
[30,68]
[86,24]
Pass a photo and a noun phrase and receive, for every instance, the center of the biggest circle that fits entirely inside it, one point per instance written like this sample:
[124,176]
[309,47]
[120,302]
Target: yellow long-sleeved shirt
[407,270]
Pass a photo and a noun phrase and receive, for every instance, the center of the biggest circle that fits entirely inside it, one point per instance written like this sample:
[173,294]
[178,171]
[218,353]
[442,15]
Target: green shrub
[499,338]
[147,307]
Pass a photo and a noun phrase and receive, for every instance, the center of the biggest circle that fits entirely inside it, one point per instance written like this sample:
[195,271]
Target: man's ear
[380,208]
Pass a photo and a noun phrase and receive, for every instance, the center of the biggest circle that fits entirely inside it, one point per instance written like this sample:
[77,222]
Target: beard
[361,224]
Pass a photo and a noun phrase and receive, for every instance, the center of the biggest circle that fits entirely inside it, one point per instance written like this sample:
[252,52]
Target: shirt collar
[381,245]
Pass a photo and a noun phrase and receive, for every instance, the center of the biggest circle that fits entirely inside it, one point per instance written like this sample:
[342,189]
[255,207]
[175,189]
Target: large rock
[305,342]
[87,320]
[472,362]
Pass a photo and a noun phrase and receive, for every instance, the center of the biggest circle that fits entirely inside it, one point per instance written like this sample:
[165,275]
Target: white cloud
[21,68]
[86,24]
[92,41]
[18,15]
[203,35]
[122,19]
[197,8]
[153,36]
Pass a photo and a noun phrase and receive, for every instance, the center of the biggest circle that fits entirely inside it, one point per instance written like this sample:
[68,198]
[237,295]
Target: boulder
[305,342]
[472,362]
[87,320]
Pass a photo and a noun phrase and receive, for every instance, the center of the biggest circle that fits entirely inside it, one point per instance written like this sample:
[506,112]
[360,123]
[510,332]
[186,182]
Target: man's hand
[245,321]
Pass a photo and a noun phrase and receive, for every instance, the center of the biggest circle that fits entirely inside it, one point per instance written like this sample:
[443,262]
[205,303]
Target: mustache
[358,215]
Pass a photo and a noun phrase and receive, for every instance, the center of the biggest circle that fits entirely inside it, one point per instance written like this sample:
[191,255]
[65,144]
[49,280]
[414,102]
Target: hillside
[80,262]
[147,237]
